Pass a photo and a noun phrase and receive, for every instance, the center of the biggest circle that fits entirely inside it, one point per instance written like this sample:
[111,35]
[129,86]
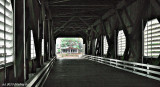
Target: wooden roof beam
[93,16]
[79,5]
[62,26]
[89,26]
[112,11]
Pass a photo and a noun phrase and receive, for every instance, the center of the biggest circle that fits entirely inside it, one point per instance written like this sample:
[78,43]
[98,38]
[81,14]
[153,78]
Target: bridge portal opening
[69,47]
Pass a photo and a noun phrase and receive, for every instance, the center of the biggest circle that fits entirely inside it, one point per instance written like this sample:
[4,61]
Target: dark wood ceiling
[75,16]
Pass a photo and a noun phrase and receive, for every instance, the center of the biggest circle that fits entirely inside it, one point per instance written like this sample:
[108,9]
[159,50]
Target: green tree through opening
[69,47]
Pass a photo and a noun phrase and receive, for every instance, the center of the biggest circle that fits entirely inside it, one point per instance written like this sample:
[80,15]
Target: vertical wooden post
[54,47]
[49,38]
[115,44]
[20,65]
[93,47]
[45,41]
[126,34]
[102,45]
[86,47]
[28,52]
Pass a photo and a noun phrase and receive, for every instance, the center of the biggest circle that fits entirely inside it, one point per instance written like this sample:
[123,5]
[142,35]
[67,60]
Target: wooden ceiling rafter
[85,13]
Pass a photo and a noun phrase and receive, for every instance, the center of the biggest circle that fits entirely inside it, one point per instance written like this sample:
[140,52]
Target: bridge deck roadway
[84,73]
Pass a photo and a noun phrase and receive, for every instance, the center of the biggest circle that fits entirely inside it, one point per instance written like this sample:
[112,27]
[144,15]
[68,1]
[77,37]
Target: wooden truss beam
[62,26]
[89,26]
[111,12]
[128,17]
[81,29]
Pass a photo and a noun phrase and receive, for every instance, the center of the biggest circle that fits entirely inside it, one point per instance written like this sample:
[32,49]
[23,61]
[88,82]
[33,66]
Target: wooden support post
[107,37]
[110,40]
[90,48]
[102,46]
[126,34]
[34,27]
[54,48]
[115,44]
[45,40]
[20,61]
[86,47]
[137,29]
[105,31]
[53,44]
[93,47]
[99,50]
[28,52]
[98,46]
[49,40]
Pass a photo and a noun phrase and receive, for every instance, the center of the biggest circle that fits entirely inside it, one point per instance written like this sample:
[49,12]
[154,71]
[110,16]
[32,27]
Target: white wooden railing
[39,78]
[150,71]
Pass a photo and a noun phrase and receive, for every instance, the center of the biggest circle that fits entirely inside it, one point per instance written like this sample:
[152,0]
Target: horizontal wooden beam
[79,8]
[79,5]
[55,2]
[74,27]
[75,16]
[81,12]
[73,30]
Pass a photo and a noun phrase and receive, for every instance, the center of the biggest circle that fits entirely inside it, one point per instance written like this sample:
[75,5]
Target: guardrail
[150,71]
[39,78]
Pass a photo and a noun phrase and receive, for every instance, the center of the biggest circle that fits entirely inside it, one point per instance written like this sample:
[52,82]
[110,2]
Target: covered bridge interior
[30,27]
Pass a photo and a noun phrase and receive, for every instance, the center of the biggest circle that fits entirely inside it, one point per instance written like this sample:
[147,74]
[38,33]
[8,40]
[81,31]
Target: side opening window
[33,54]
[105,45]
[152,39]
[42,47]
[121,43]
[6,32]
